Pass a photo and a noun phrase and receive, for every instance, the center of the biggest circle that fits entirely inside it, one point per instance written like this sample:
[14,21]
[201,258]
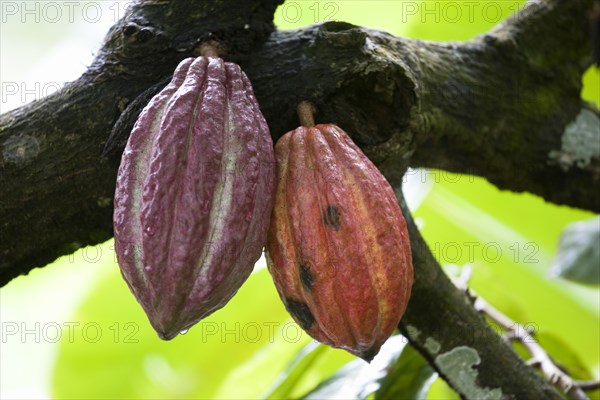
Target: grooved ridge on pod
[338,247]
[194,194]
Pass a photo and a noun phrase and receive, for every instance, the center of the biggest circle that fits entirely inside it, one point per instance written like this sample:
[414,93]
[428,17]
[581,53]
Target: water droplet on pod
[150,230]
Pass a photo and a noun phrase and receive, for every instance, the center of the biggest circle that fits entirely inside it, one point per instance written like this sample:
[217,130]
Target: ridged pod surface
[338,247]
[194,194]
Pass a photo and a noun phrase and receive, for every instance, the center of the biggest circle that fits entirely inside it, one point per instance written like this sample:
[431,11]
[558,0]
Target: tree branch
[483,107]
[517,332]
[443,326]
[507,106]
[57,190]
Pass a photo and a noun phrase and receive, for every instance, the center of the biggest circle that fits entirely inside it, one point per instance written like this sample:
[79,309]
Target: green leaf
[289,379]
[409,378]
[578,256]
[357,379]
[440,390]
[341,385]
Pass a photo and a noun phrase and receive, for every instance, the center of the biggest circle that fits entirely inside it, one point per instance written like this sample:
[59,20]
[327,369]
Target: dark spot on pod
[369,354]
[306,277]
[300,312]
[331,217]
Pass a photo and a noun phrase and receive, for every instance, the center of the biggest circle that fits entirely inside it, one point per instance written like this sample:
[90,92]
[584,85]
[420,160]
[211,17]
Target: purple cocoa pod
[194,194]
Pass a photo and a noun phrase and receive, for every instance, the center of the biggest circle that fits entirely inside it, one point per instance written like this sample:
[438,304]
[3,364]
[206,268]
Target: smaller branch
[576,393]
[515,331]
[589,385]
[462,282]
[552,373]
[487,366]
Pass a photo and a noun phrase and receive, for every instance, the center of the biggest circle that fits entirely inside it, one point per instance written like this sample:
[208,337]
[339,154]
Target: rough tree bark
[505,106]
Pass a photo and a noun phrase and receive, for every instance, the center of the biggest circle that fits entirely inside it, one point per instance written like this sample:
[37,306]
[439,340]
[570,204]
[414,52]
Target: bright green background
[241,350]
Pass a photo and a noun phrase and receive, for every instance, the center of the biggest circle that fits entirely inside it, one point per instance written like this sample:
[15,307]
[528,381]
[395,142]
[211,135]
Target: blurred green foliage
[409,377]
[578,255]
[235,353]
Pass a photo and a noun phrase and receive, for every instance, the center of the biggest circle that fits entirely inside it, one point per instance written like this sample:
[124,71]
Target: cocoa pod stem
[306,111]
[211,48]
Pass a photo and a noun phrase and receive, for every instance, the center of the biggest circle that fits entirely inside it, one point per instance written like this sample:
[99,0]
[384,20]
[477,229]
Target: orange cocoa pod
[338,247]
